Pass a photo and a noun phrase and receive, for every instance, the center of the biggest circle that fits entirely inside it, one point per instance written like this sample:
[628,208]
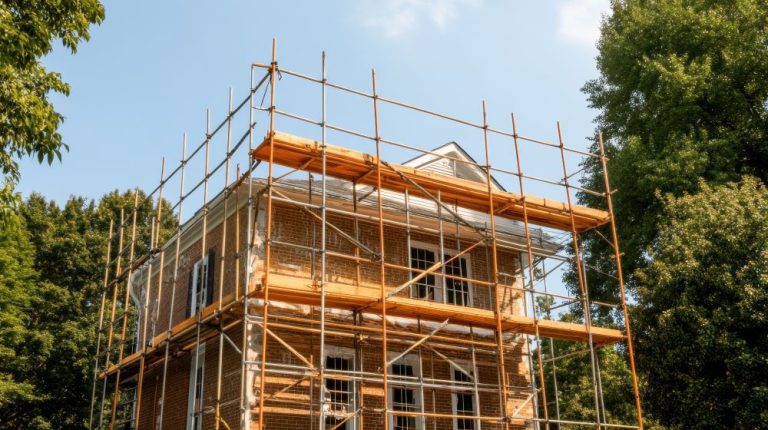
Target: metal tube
[423,110]
[323,214]
[112,317]
[153,239]
[620,275]
[382,267]
[200,295]
[125,308]
[532,276]
[220,362]
[495,274]
[175,283]
[101,323]
[580,274]
[268,246]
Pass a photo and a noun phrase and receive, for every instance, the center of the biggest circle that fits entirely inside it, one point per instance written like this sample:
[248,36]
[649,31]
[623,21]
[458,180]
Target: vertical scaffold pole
[245,387]
[200,297]
[323,215]
[580,273]
[552,351]
[101,321]
[121,229]
[382,265]
[268,234]
[531,275]
[153,239]
[175,283]
[495,274]
[126,306]
[620,276]
[220,364]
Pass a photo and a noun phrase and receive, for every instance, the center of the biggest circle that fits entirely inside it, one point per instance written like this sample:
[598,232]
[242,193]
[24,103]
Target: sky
[151,70]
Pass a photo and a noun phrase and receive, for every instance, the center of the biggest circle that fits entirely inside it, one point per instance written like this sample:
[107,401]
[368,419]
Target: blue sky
[152,68]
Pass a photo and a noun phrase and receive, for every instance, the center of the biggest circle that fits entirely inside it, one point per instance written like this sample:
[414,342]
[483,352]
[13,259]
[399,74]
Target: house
[205,297]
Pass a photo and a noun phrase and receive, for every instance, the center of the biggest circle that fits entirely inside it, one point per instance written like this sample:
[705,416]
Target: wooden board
[301,290]
[305,154]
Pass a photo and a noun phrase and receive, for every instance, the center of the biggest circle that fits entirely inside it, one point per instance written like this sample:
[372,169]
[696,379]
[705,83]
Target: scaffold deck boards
[306,154]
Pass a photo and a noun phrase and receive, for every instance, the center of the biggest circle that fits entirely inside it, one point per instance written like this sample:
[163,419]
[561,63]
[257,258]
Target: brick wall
[297,406]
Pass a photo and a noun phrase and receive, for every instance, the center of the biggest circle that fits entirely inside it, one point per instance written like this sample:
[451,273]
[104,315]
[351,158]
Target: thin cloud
[397,18]
[578,21]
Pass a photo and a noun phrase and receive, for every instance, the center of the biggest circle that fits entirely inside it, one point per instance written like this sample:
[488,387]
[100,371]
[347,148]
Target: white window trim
[466,365]
[344,352]
[413,360]
[191,395]
[195,274]
[441,287]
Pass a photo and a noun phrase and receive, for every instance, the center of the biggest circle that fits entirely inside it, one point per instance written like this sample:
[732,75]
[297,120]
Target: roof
[443,159]
[342,163]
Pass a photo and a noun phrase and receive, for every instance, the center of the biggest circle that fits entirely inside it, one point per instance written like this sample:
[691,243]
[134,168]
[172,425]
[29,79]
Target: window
[201,284]
[426,287]
[464,400]
[434,286]
[404,396]
[339,392]
[457,290]
[195,402]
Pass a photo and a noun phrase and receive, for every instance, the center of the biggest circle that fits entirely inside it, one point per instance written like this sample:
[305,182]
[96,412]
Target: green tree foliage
[682,96]
[28,121]
[569,380]
[704,310]
[50,281]
[683,101]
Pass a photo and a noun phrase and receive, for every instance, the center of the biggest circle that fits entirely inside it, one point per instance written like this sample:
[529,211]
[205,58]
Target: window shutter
[190,292]
[210,268]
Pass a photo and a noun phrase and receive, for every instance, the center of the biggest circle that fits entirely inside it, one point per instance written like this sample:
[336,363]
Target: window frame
[347,354]
[454,395]
[441,286]
[414,361]
[192,422]
[198,299]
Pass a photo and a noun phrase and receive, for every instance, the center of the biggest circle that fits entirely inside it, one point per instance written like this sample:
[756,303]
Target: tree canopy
[51,268]
[28,121]
[704,309]
[682,95]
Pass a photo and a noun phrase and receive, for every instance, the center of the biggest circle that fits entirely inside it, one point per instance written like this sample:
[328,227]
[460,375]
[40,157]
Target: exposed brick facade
[296,405]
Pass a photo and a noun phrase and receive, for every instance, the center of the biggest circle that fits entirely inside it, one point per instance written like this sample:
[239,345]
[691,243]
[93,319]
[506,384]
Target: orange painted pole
[116,395]
[529,249]
[620,276]
[495,273]
[580,273]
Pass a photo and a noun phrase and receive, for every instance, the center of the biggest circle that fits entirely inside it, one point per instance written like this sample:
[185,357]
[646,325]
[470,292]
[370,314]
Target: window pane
[424,288]
[457,291]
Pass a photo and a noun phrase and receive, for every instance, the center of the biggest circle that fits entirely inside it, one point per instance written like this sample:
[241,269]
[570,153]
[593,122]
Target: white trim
[196,272]
[345,353]
[454,398]
[413,360]
[191,395]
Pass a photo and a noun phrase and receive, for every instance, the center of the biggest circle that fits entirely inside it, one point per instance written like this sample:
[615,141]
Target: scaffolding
[494,354]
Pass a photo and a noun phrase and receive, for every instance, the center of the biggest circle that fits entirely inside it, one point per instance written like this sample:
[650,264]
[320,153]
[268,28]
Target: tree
[28,121]
[704,309]
[682,96]
[50,284]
